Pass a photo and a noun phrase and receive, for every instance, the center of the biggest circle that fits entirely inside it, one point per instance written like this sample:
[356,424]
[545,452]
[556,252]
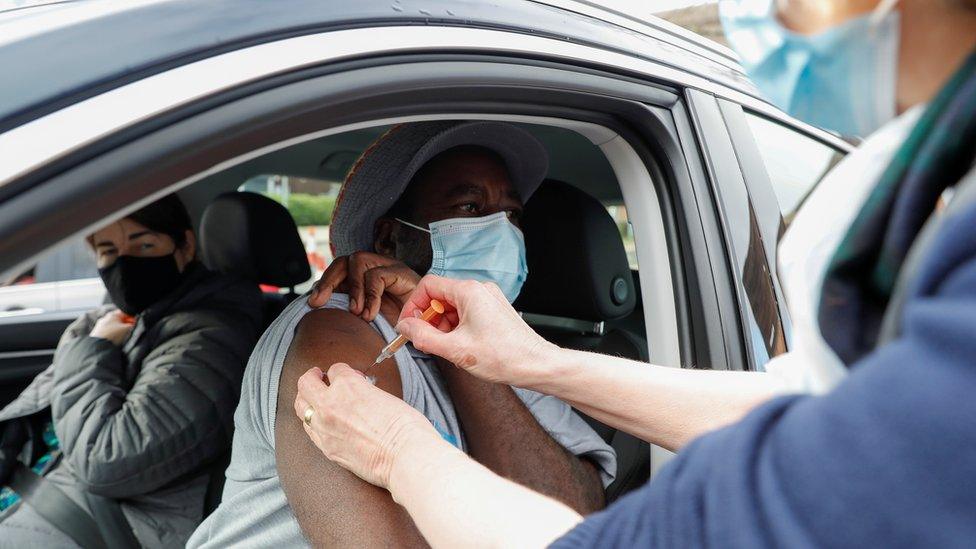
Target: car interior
[583,289]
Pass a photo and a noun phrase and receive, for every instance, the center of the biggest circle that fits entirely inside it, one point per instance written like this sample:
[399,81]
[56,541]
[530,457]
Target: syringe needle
[435,309]
[379,359]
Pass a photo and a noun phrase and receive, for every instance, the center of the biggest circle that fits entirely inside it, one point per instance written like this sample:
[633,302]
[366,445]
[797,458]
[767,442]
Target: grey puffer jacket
[141,423]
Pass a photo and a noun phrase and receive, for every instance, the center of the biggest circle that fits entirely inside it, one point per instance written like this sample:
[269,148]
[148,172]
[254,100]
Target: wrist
[416,455]
[544,362]
[552,364]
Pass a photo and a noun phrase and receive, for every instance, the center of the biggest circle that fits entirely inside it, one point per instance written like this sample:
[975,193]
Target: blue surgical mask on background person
[487,249]
[843,79]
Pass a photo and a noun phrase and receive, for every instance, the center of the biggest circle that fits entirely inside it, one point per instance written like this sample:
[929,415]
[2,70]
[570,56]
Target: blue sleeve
[888,459]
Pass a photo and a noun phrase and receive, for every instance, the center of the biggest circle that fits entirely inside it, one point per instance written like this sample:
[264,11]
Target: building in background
[702,19]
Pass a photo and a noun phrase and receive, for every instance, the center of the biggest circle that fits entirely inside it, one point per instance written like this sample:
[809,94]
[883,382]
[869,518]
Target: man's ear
[384,236]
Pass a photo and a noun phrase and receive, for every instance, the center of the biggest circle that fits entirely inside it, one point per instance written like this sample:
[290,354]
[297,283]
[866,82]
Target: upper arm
[333,506]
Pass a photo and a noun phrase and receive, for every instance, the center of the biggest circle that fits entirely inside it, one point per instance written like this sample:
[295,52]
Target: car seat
[580,293]
[252,236]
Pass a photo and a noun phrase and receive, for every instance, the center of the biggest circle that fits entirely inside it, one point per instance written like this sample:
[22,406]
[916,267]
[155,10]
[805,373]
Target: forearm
[87,374]
[665,406]
[457,502]
[503,435]
[127,441]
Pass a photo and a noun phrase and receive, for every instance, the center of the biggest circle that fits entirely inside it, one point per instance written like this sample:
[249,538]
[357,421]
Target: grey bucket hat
[384,170]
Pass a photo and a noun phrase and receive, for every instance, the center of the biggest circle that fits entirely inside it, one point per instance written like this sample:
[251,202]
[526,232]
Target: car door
[37,305]
[762,169]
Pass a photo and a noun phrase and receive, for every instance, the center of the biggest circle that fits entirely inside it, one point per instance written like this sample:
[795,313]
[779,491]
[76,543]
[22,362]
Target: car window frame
[759,182]
[750,221]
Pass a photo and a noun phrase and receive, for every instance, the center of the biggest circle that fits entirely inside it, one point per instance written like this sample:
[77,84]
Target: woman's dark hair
[168,216]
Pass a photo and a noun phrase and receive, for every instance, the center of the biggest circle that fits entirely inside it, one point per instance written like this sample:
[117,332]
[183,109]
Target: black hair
[168,216]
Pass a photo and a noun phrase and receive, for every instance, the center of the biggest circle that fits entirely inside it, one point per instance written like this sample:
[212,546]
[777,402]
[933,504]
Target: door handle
[21,311]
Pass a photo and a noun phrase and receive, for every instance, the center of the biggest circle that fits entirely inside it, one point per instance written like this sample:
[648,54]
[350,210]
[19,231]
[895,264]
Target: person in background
[111,444]
[880,457]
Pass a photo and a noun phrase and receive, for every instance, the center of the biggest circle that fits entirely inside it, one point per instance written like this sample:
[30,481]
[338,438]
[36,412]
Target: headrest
[577,263]
[255,237]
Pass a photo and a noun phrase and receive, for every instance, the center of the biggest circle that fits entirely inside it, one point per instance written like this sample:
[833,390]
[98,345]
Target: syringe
[436,308]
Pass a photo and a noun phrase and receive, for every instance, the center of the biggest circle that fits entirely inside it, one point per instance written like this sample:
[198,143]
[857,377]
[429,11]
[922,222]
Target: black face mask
[135,283]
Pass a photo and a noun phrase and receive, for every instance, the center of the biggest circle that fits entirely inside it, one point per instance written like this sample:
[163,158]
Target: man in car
[440,197]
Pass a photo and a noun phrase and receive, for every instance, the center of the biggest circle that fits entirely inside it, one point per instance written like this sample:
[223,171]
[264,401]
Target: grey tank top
[254,511]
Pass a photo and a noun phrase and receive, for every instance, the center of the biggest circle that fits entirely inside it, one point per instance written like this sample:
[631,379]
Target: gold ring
[307,418]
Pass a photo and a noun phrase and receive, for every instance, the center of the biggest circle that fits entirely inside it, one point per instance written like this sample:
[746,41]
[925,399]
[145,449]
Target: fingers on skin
[300,406]
[359,263]
[340,371]
[375,282]
[311,388]
[331,278]
[316,439]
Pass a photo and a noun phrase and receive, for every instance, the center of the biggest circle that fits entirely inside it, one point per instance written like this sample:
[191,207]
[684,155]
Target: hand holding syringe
[435,308]
[479,331]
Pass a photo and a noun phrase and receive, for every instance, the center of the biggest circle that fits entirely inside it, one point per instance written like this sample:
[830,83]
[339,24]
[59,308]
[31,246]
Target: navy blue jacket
[888,459]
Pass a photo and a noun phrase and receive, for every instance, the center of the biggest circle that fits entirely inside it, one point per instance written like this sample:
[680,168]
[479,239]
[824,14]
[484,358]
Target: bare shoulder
[327,336]
[336,332]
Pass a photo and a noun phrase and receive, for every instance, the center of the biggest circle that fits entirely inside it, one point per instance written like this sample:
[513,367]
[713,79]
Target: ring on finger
[307,416]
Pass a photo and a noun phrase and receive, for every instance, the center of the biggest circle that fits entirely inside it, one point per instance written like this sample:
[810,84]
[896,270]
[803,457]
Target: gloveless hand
[365,276]
[356,425]
[481,332]
[114,327]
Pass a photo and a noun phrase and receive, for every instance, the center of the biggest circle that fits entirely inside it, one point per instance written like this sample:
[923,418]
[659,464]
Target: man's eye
[470,207]
[146,246]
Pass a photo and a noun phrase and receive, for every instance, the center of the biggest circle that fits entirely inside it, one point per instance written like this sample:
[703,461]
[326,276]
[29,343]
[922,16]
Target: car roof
[55,54]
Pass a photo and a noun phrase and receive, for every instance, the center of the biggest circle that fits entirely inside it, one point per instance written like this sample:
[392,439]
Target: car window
[63,279]
[795,162]
[72,260]
[310,203]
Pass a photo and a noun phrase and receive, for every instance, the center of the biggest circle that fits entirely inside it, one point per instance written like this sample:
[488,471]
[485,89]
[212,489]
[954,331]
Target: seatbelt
[112,522]
[54,506]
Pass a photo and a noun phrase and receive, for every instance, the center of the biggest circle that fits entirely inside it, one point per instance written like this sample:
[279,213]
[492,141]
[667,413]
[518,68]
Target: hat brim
[385,170]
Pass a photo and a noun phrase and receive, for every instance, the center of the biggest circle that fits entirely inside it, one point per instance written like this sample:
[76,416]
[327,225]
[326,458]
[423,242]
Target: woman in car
[139,400]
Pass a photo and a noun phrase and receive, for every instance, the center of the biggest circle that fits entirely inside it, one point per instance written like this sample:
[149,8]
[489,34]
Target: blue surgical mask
[843,79]
[487,249]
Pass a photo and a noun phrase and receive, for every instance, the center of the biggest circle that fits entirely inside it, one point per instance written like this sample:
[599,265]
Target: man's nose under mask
[487,249]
